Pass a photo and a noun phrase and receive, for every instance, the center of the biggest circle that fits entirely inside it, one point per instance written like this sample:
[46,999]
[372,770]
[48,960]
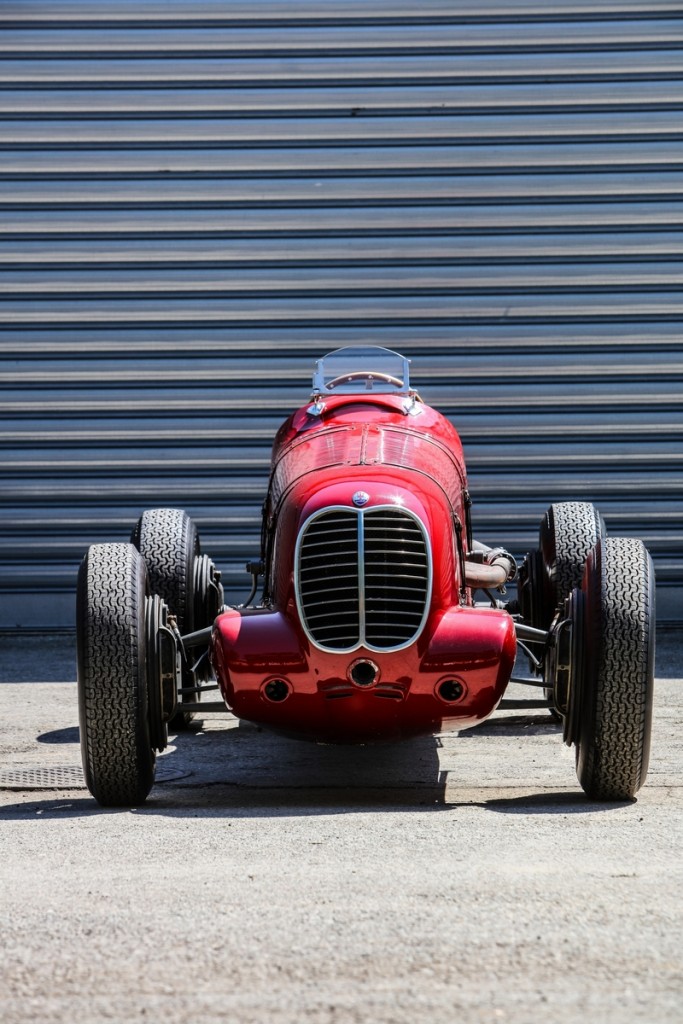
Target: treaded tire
[569,532]
[615,714]
[168,541]
[118,759]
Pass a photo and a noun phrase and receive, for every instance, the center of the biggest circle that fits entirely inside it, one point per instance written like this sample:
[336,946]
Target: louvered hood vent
[363,578]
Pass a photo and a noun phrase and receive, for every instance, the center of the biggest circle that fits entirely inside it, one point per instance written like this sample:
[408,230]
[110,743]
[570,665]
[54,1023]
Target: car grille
[363,578]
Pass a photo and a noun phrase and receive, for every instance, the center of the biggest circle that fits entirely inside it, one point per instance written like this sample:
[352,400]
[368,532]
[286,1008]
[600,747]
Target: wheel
[187,581]
[167,540]
[569,532]
[610,708]
[118,759]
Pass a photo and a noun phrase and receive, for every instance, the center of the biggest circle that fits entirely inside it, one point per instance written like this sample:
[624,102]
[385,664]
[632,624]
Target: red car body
[344,463]
[366,627]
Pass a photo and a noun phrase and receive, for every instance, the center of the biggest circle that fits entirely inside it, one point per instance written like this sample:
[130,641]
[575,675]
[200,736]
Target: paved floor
[457,878]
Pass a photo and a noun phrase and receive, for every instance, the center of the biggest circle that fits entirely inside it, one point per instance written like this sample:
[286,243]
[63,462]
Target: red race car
[379,615]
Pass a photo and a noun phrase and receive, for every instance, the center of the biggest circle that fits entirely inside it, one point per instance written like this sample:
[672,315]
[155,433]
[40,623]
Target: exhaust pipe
[494,567]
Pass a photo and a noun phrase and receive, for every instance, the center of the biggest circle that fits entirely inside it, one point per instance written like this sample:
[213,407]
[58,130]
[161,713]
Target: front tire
[118,759]
[614,717]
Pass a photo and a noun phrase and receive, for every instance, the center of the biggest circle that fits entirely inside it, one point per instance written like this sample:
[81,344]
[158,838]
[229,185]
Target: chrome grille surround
[363,578]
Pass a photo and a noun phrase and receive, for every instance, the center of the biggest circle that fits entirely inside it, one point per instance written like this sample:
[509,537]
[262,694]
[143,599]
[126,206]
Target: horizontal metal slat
[189,255]
[295,345]
[462,374]
[141,103]
[486,220]
[483,467]
[607,436]
[361,312]
[344,131]
[505,35]
[522,519]
[503,401]
[562,484]
[630,64]
[508,154]
[432,279]
[110,13]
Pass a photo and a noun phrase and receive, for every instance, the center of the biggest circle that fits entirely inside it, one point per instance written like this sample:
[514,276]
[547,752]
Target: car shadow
[244,771]
[514,725]
[223,801]
[574,802]
[68,735]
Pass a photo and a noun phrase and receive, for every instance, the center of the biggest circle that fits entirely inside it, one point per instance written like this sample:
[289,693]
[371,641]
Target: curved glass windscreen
[361,369]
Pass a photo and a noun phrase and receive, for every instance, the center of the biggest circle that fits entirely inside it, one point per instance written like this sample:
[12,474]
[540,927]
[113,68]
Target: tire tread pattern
[613,750]
[575,527]
[118,760]
[168,541]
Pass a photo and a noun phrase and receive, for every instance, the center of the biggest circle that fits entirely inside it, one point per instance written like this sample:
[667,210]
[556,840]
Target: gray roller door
[198,199]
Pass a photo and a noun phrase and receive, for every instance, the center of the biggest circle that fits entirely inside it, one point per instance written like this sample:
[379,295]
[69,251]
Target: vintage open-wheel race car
[379,615]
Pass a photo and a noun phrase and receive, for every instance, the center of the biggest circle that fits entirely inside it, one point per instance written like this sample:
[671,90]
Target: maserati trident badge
[360,498]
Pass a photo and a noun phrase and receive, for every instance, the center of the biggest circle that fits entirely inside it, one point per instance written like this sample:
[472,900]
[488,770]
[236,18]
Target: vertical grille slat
[389,551]
[329,611]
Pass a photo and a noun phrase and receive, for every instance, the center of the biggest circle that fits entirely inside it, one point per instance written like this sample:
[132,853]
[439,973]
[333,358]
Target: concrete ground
[462,878]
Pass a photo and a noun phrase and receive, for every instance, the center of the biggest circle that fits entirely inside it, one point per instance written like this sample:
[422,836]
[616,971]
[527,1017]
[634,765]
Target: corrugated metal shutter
[199,198]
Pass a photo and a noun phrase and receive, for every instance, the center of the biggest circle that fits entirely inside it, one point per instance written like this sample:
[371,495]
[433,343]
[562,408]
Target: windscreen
[361,369]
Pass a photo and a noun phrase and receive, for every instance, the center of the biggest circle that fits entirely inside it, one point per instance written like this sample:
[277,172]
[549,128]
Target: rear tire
[118,759]
[569,532]
[168,541]
[615,711]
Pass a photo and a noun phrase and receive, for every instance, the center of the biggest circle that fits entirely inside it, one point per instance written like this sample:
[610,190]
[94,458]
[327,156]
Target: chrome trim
[316,408]
[361,576]
[360,572]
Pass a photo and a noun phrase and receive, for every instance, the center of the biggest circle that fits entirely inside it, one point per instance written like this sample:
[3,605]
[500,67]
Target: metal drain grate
[69,776]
